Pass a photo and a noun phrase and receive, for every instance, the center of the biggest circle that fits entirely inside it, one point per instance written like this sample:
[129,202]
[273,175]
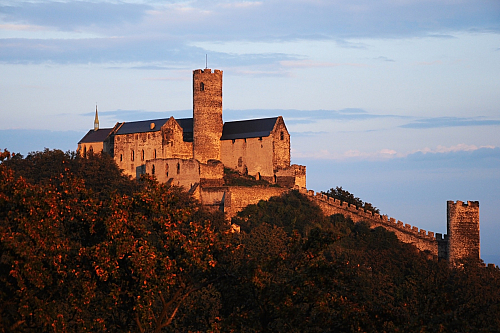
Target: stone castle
[194,152]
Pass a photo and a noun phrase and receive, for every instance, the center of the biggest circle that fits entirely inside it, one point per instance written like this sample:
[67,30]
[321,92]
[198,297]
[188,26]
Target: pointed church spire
[96,120]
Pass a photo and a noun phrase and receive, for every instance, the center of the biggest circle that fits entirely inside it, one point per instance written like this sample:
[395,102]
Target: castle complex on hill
[193,153]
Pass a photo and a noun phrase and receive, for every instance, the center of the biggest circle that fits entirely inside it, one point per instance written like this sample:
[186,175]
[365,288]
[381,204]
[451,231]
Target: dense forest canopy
[83,248]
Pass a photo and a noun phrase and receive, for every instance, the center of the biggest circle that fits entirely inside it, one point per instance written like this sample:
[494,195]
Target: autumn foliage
[83,248]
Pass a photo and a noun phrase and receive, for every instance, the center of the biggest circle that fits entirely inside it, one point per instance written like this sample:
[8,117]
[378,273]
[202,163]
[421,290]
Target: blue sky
[397,101]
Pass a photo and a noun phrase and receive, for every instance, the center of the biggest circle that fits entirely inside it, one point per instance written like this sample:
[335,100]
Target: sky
[397,101]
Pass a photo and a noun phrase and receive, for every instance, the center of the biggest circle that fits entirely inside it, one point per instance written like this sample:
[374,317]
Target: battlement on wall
[374,217]
[207,71]
[471,204]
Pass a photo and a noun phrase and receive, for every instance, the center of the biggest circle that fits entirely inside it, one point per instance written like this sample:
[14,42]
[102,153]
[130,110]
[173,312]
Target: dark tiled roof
[96,136]
[145,127]
[187,128]
[248,128]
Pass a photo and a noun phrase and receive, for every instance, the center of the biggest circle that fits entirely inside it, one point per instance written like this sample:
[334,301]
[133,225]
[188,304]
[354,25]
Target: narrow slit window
[202,86]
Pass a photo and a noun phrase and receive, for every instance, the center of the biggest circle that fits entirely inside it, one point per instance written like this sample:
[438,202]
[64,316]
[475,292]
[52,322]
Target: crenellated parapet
[422,239]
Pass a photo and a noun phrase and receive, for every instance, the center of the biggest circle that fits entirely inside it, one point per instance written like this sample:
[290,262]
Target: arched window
[275,179]
[91,149]
[178,168]
[132,155]
[85,151]
[202,86]
[142,155]
[121,157]
[282,136]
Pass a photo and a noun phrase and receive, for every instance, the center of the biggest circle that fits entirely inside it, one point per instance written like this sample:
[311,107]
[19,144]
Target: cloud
[242,4]
[456,148]
[150,31]
[143,53]
[22,27]
[137,115]
[312,64]
[462,151]
[440,122]
[305,116]
[166,79]
[385,59]
[73,15]
[429,63]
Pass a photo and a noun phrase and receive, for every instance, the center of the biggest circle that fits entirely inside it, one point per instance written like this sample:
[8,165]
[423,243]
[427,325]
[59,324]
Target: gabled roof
[248,128]
[144,126]
[96,136]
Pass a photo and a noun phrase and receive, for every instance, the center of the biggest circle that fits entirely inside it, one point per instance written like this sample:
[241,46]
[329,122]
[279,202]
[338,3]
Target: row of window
[153,169]
[132,155]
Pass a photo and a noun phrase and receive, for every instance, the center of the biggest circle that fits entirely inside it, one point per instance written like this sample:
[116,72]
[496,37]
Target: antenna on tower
[206,61]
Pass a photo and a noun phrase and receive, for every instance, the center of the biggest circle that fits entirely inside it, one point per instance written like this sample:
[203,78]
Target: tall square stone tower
[463,230]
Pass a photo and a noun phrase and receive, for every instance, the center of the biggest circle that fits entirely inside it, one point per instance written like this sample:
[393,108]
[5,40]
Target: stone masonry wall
[177,171]
[463,230]
[207,114]
[423,240]
[281,145]
[133,150]
[252,155]
[238,197]
[212,174]
[294,175]
[173,145]
[85,148]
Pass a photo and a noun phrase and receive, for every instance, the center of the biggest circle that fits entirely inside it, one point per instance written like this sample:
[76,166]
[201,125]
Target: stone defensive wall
[422,239]
[235,198]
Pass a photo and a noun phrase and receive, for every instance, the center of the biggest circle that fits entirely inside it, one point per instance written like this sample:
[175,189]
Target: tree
[99,171]
[74,263]
[345,196]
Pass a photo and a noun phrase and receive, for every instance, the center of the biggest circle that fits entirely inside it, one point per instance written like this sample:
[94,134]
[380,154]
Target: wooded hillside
[83,248]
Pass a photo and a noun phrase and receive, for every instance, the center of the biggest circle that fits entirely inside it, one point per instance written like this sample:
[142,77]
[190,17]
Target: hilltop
[85,248]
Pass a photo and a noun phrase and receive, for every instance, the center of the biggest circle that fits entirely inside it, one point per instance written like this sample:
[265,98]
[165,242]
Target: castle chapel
[192,152]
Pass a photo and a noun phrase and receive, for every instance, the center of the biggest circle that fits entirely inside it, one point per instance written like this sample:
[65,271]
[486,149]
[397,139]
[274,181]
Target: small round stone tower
[207,114]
